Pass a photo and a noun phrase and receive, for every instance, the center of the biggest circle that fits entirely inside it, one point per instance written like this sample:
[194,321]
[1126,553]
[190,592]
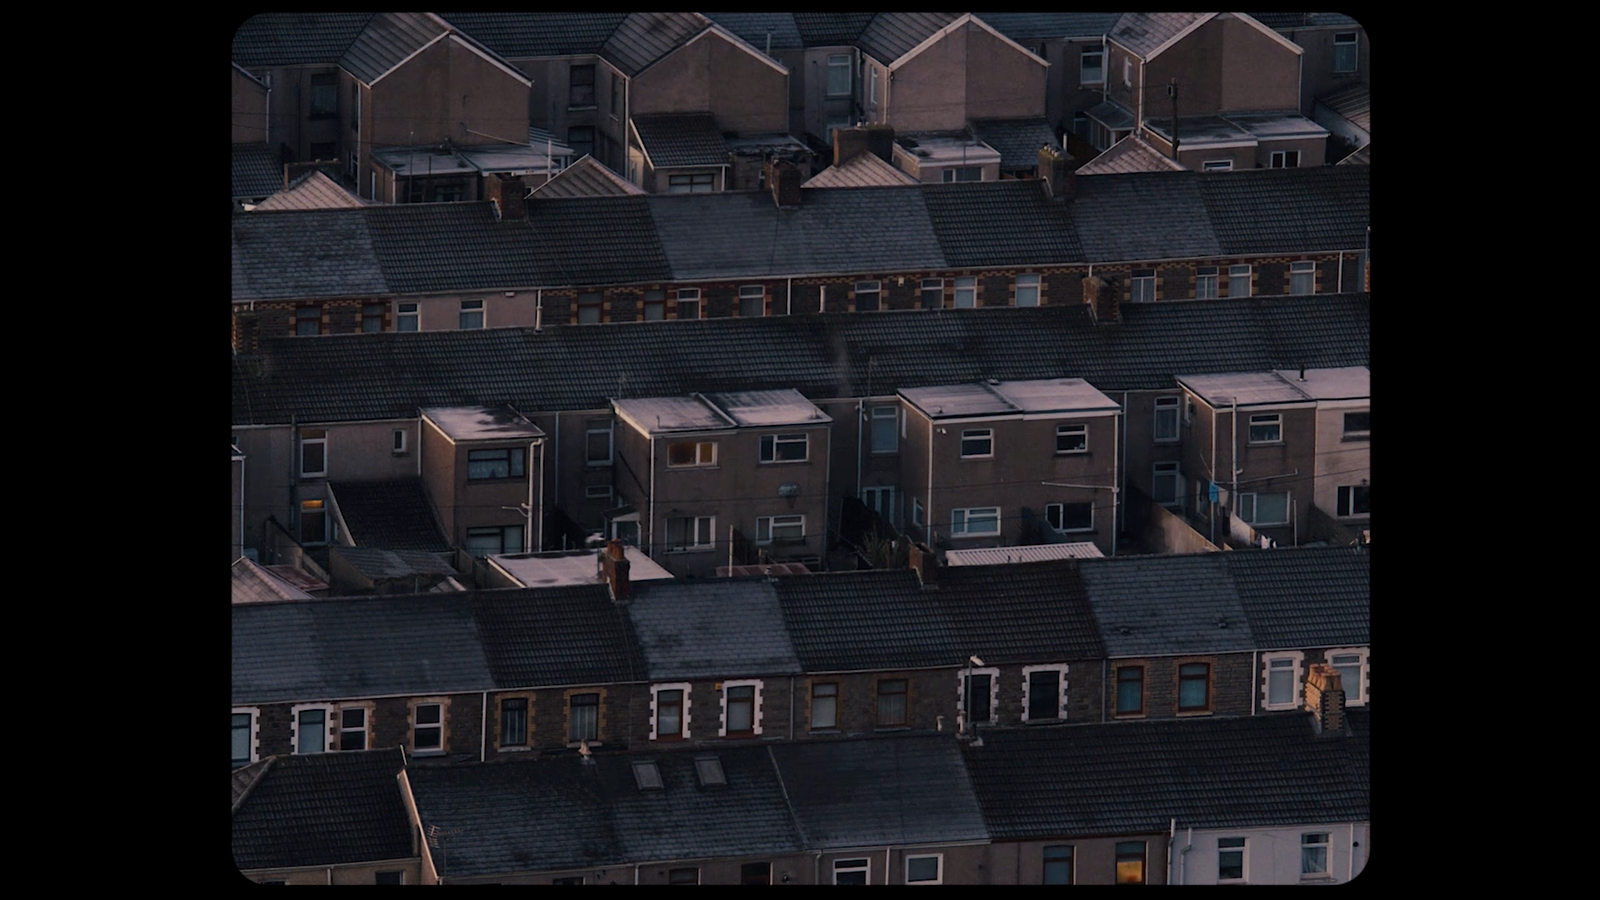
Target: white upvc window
[1166,424]
[881,501]
[313,453]
[687,454]
[1314,855]
[1266,428]
[427,726]
[962,173]
[885,429]
[1217,165]
[1044,693]
[932,293]
[1264,508]
[688,300]
[405,316]
[916,511]
[850,871]
[1303,277]
[246,735]
[1027,290]
[1091,66]
[597,442]
[1142,286]
[1166,484]
[780,448]
[1281,689]
[868,294]
[752,300]
[1355,673]
[471,314]
[1127,72]
[780,528]
[1346,47]
[977,443]
[597,492]
[966,292]
[978,694]
[1238,281]
[1072,439]
[839,76]
[741,709]
[310,728]
[1069,516]
[354,727]
[1232,861]
[398,447]
[927,869]
[1205,283]
[669,711]
[691,533]
[975,522]
[1354,500]
[1285,159]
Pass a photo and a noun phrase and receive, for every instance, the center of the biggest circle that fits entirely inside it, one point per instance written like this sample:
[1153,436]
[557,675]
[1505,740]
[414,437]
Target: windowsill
[575,745]
[885,453]
[825,731]
[1264,444]
[582,108]
[307,476]
[1306,878]
[893,728]
[1185,713]
[1044,721]
[1120,715]
[962,537]
[1356,437]
[477,481]
[691,468]
[516,748]
[976,458]
[740,735]
[1281,707]
[783,462]
[427,753]
[1076,531]
[1073,453]
[668,739]
[598,462]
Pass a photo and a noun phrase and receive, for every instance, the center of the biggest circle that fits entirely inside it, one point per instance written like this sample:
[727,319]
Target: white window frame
[1236,274]
[1022,283]
[1306,269]
[862,865]
[1065,430]
[1127,72]
[961,174]
[1365,664]
[328,710]
[769,448]
[1099,54]
[1327,855]
[916,511]
[966,288]
[692,183]
[1349,490]
[1266,420]
[365,729]
[609,431]
[1173,406]
[411,723]
[319,507]
[1141,288]
[1217,165]
[1167,469]
[757,292]
[471,307]
[1248,500]
[254,712]
[597,492]
[977,434]
[681,296]
[700,462]
[840,62]
[931,284]
[669,686]
[1244,858]
[1361,434]
[890,414]
[1061,514]
[938,859]
[756,714]
[994,692]
[1297,660]
[1061,670]
[1206,282]
[319,441]
[766,525]
[405,311]
[711,533]
[880,498]
[398,443]
[872,84]
[1354,43]
[875,288]
[1280,159]
[965,516]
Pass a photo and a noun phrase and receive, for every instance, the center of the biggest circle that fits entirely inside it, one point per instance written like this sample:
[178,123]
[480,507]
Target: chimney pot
[1055,171]
[614,570]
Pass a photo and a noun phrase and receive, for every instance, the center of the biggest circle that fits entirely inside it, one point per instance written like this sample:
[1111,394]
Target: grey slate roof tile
[1038,26]
[753,27]
[1266,211]
[1017,140]
[324,810]
[379,376]
[831,29]
[295,39]
[524,35]
[1000,223]
[882,791]
[892,35]
[1305,596]
[1157,215]
[1144,33]
[1166,605]
[711,629]
[377,564]
[1134,777]
[643,38]
[304,253]
[556,636]
[256,173]
[386,41]
[389,515]
[681,139]
[439,246]
[857,621]
[1293,21]
[595,240]
[1020,612]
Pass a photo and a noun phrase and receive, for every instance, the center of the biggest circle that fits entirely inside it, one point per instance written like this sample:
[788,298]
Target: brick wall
[1231,685]
[1174,282]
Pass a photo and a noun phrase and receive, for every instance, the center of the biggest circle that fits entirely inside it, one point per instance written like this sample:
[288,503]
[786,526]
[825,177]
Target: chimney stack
[1325,699]
[1055,170]
[614,570]
[925,562]
[507,194]
[850,142]
[1100,296]
[783,177]
[294,170]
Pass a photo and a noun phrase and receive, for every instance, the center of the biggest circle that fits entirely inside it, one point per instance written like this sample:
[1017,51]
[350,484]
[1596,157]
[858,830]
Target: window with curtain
[514,722]
[583,717]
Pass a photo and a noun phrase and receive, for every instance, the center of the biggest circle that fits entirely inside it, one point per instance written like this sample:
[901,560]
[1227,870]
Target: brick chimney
[614,570]
[783,177]
[1100,296]
[1325,699]
[849,143]
[294,170]
[1055,170]
[925,562]
[507,194]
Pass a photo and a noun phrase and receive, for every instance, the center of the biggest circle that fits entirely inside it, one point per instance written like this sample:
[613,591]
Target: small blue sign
[1213,492]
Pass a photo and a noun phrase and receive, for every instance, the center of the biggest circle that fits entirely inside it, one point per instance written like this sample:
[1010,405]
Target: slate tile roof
[524,35]
[1305,596]
[711,629]
[380,564]
[681,139]
[313,190]
[256,172]
[1166,605]
[1293,21]
[1134,777]
[1131,154]
[1000,223]
[1145,33]
[595,240]
[1038,26]
[383,376]
[881,791]
[457,244]
[1144,216]
[323,650]
[643,38]
[1018,140]
[387,40]
[586,178]
[892,35]
[857,621]
[831,29]
[295,39]
[1271,213]
[1353,102]
[390,515]
[1019,613]
[304,253]
[324,810]
[753,28]
[1362,157]
[556,636]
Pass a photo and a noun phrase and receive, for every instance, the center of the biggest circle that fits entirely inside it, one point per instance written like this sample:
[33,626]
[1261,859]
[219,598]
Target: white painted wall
[1272,855]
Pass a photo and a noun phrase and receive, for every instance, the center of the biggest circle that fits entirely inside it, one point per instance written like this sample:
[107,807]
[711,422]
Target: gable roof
[711,629]
[254,584]
[313,190]
[1295,21]
[1147,34]
[256,172]
[387,376]
[1000,223]
[861,170]
[641,39]
[1305,596]
[672,140]
[1135,777]
[586,178]
[323,810]
[754,27]
[1036,26]
[1017,140]
[521,35]
[882,791]
[1131,154]
[828,29]
[556,636]
[387,40]
[1269,213]
[1354,103]
[269,40]
[1146,215]
[391,515]
[892,35]
[595,240]
[1166,605]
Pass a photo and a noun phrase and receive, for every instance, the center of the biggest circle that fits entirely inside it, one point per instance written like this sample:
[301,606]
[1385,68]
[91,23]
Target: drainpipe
[1213,472]
[635,873]
[1116,474]
[483,737]
[1255,673]
[1105,672]
[1172,834]
[558,459]
[927,511]
[885,866]
[330,874]
[651,512]
[1340,287]
[540,444]
[788,298]
[1183,857]
[859,429]
[1233,459]
[791,707]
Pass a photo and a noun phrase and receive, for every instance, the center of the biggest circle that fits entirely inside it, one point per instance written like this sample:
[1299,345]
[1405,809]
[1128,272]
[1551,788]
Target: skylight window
[709,768]
[647,775]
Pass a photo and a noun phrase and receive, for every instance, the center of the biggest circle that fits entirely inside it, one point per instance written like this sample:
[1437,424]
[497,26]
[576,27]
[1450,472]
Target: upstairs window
[783,448]
[1027,289]
[1314,855]
[1358,425]
[693,183]
[966,292]
[1264,508]
[1166,424]
[752,300]
[1345,47]
[372,317]
[1354,500]
[311,729]
[1070,516]
[1303,277]
[1058,864]
[891,703]
[1230,859]
[850,871]
[655,306]
[755,873]
[427,728]
[597,443]
[771,529]
[932,293]
[589,308]
[839,76]
[1283,681]
[1194,687]
[244,736]
[583,718]
[1205,283]
[313,453]
[307,321]
[353,728]
[1091,66]
[1142,285]
[324,96]
[977,689]
[1072,439]
[1285,159]
[741,701]
[963,173]
[580,90]
[688,302]
[1043,699]
[925,869]
[824,706]
[1352,668]
[1266,429]
[885,429]
[1130,862]
[977,443]
[313,522]
[1166,484]
[682,454]
[471,314]
[1238,281]
[975,522]
[1217,165]
[1130,690]
[671,716]
[867,296]
[405,317]
[514,722]
[489,465]
[690,533]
